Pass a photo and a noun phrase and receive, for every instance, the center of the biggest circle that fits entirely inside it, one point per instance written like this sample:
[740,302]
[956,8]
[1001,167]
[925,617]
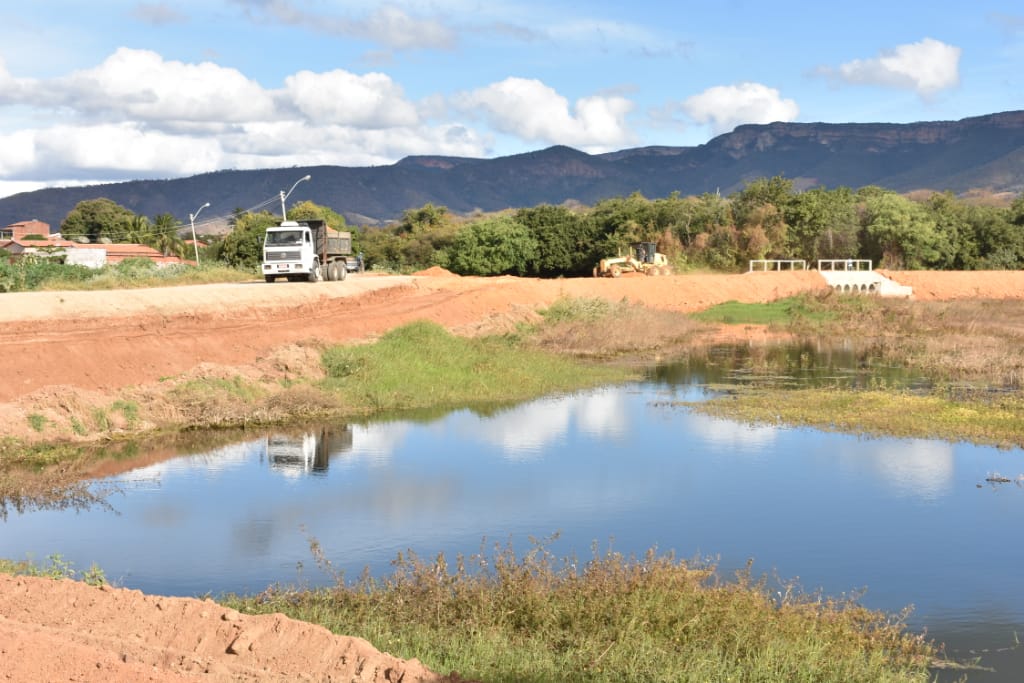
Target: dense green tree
[565,242]
[822,224]
[243,246]
[493,246]
[901,232]
[996,241]
[307,210]
[96,218]
[418,241]
[721,248]
[710,211]
[1016,213]
[953,224]
[427,218]
[709,236]
[776,191]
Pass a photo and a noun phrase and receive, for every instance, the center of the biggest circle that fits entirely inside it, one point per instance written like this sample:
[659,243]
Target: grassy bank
[501,618]
[969,350]
[994,420]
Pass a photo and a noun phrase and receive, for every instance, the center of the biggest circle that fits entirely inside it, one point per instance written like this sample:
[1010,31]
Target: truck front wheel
[314,272]
[269,278]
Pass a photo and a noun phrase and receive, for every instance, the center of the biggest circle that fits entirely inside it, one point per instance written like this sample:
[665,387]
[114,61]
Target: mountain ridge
[980,152]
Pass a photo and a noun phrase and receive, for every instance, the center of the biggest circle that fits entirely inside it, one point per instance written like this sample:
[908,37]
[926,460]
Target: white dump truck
[306,251]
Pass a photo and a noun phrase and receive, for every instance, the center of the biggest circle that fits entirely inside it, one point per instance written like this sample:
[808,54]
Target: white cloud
[340,97]
[727,106]
[126,147]
[532,110]
[17,153]
[139,115]
[293,143]
[12,90]
[926,67]
[141,84]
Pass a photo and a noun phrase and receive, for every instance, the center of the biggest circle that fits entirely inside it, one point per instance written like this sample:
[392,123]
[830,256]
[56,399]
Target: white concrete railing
[777,264]
[844,264]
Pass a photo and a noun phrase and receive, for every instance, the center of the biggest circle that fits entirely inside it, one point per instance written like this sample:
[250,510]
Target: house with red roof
[12,239]
[23,229]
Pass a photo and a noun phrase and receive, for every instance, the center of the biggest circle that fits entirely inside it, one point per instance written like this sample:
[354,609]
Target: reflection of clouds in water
[523,432]
[918,467]
[374,443]
[734,436]
[602,413]
[214,462]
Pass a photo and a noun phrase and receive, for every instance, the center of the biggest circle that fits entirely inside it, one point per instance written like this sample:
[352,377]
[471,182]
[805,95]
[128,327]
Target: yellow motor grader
[643,259]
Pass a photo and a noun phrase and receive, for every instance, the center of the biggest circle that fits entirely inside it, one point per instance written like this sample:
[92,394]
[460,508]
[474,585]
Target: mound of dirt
[947,285]
[66,630]
[435,271]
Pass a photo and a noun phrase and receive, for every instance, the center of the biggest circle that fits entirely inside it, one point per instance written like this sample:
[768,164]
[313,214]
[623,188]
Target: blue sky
[123,89]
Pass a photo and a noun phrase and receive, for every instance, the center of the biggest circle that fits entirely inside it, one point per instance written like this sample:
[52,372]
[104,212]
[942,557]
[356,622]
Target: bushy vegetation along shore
[498,617]
[968,350]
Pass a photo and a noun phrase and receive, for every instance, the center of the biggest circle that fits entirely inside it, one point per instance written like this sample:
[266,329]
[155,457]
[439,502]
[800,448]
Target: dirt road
[110,339]
[57,343]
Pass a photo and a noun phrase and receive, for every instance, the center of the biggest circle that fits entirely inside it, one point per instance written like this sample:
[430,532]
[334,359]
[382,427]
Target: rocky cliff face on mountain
[985,152]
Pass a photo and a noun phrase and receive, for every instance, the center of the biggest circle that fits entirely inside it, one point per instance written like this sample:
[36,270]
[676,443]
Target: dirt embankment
[66,347]
[69,631]
[74,351]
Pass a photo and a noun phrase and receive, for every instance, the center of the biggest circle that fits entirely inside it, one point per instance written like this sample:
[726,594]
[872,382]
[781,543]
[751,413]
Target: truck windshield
[283,238]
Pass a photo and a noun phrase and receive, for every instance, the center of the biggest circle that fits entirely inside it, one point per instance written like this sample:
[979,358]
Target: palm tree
[164,236]
[138,230]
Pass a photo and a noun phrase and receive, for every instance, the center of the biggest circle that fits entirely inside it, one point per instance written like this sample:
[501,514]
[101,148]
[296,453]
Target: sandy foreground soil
[58,344]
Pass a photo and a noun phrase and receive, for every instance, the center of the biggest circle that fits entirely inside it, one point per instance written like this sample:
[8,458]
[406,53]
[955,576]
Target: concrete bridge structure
[855,276]
[849,276]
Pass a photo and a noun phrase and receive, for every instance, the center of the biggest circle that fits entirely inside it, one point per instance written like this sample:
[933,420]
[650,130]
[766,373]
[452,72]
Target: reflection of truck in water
[307,453]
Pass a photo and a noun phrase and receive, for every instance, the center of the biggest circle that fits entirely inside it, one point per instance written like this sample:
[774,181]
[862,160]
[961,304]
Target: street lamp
[284,195]
[192,221]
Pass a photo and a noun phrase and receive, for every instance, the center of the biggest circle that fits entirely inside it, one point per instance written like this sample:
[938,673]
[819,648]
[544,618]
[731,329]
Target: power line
[125,234]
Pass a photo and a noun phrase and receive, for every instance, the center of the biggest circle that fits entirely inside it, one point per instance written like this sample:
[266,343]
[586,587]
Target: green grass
[502,618]
[781,312]
[55,567]
[993,420]
[37,422]
[129,409]
[421,365]
[16,453]
[575,309]
[141,273]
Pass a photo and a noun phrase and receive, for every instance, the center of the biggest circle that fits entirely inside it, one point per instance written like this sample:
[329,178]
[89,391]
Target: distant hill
[985,152]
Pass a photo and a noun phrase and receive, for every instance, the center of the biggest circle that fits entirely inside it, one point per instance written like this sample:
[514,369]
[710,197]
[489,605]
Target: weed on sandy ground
[969,340]
[498,617]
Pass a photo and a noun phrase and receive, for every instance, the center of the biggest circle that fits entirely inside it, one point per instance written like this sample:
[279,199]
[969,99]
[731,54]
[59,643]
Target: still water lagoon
[897,522]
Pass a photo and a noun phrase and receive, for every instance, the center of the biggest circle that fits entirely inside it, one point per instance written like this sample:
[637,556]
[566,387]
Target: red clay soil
[110,339]
[58,345]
